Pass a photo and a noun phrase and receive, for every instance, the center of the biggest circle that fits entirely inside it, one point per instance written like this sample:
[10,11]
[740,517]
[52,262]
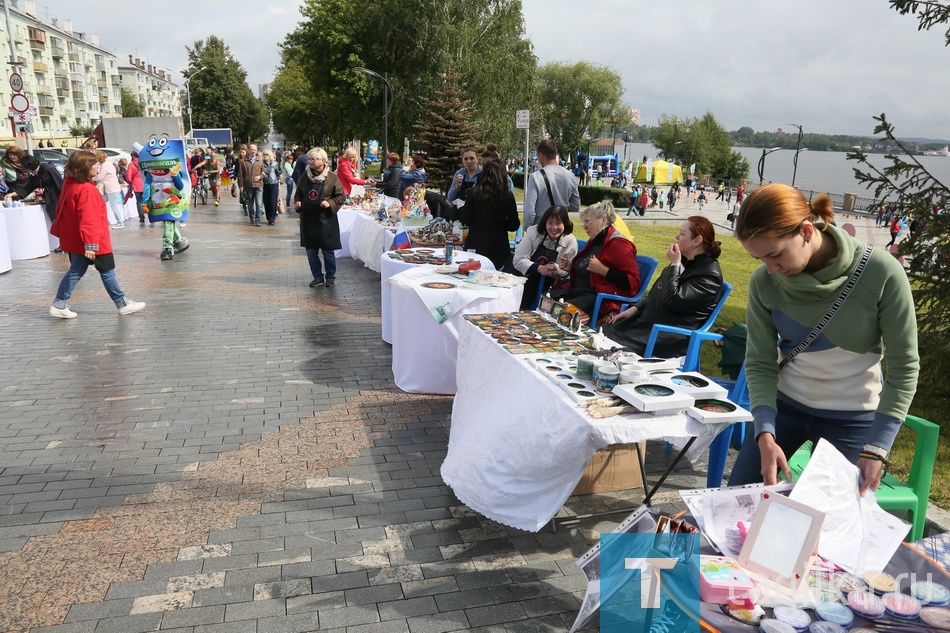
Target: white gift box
[654,397]
[717,411]
[693,383]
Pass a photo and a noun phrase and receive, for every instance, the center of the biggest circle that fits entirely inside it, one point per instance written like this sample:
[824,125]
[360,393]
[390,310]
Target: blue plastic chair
[647,266]
[696,337]
[719,449]
[518,234]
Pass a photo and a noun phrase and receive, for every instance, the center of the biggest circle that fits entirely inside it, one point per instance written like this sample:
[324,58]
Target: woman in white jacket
[538,252]
[108,181]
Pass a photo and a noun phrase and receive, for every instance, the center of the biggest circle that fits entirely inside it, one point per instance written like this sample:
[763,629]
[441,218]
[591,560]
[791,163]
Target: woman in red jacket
[608,263]
[83,232]
[348,172]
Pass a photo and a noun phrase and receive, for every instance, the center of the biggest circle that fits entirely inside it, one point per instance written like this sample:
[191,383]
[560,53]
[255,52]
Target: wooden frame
[782,541]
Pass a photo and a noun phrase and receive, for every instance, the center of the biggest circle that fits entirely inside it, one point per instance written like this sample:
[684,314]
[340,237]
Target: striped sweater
[839,375]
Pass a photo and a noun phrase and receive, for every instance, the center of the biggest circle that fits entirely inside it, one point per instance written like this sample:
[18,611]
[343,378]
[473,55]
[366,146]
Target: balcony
[37,45]
[60,72]
[78,95]
[77,77]
[43,89]
[58,51]
[40,67]
[62,91]
[116,80]
[103,98]
[73,56]
[46,111]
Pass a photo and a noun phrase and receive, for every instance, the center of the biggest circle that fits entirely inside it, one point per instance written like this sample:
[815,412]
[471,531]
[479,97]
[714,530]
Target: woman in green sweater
[835,388]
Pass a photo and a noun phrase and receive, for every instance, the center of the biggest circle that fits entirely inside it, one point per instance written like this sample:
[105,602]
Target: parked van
[192,143]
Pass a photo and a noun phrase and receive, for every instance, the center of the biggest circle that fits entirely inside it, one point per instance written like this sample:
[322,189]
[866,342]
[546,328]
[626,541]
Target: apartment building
[153,88]
[68,77]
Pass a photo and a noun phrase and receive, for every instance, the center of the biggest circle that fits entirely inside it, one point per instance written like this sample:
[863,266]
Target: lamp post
[191,125]
[798,150]
[765,152]
[387,91]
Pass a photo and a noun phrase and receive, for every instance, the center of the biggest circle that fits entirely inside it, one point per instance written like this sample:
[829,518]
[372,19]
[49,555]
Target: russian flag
[401,240]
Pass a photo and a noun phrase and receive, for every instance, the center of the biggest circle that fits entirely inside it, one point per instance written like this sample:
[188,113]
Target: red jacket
[81,222]
[617,253]
[133,176]
[344,171]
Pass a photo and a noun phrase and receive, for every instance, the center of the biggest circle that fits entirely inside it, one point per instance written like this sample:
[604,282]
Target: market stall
[27,231]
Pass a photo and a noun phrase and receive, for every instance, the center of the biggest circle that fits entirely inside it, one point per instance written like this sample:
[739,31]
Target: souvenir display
[835,612]
[693,383]
[659,364]
[606,376]
[796,618]
[527,333]
[901,606]
[936,617]
[866,604]
[744,610]
[721,578]
[547,304]
[654,397]
[436,232]
[826,627]
[418,256]
[585,366]
[848,582]
[930,593]
[715,411]
[880,583]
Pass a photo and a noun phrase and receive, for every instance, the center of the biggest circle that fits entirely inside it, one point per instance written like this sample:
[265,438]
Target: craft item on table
[608,407]
[598,339]
[938,617]
[834,612]
[721,579]
[695,384]
[847,582]
[653,397]
[417,256]
[796,618]
[414,202]
[606,376]
[561,372]
[866,604]
[880,582]
[826,627]
[901,606]
[558,309]
[436,233]
[744,610]
[930,593]
[775,626]
[469,267]
[652,364]
[821,590]
[632,376]
[714,411]
[585,366]
[546,305]
[783,540]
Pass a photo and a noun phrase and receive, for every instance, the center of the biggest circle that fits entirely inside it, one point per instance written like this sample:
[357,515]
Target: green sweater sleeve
[761,359]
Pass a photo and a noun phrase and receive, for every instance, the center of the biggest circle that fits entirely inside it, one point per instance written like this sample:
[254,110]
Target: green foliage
[702,141]
[294,108]
[929,14]
[445,131]
[220,96]
[576,100]
[592,195]
[131,107]
[414,44]
[80,130]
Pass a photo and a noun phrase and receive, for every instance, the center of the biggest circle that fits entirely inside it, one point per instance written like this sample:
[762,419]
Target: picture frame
[546,305]
[782,541]
[557,310]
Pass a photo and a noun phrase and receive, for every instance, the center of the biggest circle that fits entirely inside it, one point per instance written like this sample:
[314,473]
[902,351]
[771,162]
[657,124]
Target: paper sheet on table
[857,534]
[717,512]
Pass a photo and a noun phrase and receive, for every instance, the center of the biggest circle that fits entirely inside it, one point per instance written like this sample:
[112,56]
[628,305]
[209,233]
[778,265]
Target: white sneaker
[131,307]
[62,313]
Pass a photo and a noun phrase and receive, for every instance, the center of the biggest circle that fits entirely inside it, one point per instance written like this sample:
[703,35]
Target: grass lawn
[737,267]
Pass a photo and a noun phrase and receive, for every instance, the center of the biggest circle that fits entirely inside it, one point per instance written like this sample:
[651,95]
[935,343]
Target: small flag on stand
[402,238]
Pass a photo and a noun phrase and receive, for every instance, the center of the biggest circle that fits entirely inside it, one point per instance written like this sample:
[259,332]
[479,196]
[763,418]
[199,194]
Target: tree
[702,141]
[576,100]
[910,188]
[131,107]
[294,107]
[220,96]
[413,45]
[444,132]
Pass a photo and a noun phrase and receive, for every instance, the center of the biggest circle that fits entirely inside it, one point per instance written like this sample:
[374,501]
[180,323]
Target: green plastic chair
[893,494]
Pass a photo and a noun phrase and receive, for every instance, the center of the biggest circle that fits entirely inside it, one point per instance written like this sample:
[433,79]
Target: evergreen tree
[444,131]
[131,107]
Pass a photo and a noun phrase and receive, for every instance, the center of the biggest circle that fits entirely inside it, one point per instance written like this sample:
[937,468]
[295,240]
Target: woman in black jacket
[389,183]
[490,212]
[684,296]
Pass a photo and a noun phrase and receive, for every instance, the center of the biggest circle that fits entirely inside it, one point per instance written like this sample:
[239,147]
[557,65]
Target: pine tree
[444,131]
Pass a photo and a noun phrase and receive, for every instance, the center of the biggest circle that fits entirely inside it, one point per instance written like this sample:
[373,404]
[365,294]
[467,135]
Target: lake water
[819,171]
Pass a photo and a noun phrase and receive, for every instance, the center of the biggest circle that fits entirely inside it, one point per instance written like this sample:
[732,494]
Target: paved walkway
[237,458]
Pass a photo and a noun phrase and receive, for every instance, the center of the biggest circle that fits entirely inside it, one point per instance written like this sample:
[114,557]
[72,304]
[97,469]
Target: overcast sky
[827,65]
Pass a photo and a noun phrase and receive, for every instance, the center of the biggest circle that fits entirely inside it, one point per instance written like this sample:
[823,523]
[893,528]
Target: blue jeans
[255,203]
[114,201]
[329,259]
[78,264]
[290,192]
[793,427]
[138,203]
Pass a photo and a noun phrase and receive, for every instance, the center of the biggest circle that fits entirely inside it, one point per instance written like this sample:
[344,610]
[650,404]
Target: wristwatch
[876,450]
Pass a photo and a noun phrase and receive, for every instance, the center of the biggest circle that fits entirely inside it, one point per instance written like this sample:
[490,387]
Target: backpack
[733,349]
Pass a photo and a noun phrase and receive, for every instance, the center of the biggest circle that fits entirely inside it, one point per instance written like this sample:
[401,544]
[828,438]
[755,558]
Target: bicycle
[200,191]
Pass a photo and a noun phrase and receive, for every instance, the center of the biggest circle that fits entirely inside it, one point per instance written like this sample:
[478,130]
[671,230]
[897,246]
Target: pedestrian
[721,191]
[654,196]
[251,181]
[107,177]
[661,199]
[83,231]
[287,176]
[895,230]
[214,177]
[318,197]
[271,189]
[671,197]
[835,388]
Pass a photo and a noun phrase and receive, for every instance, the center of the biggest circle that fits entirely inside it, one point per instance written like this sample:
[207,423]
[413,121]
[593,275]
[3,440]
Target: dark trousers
[270,202]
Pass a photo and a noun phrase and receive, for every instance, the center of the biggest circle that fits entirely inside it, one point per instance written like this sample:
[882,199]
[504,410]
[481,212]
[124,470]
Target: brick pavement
[237,458]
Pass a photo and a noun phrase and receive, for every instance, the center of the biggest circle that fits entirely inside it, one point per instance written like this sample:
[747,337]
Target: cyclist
[214,177]
[198,167]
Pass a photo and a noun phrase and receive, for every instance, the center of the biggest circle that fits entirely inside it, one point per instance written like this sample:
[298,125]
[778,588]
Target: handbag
[848,287]
[234,190]
[280,206]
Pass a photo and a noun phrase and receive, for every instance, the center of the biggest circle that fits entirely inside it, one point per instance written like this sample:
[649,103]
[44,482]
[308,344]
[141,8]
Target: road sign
[24,128]
[13,112]
[22,117]
[16,82]
[20,103]
[523,119]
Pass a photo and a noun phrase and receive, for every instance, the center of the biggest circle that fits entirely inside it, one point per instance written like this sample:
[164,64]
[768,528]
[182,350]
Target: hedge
[589,195]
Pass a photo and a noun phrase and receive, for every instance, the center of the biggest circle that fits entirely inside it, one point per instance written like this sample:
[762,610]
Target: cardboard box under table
[613,468]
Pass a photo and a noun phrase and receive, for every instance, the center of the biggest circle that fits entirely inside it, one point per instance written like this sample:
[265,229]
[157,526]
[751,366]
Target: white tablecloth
[424,351]
[27,232]
[389,267]
[519,444]
[5,262]
[346,216]
[369,239]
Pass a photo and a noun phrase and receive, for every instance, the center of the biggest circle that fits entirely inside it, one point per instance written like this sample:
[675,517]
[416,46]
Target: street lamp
[191,125]
[798,150]
[386,103]
[765,152]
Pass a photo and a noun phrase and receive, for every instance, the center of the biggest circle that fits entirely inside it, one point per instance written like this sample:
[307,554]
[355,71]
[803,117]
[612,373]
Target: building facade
[69,79]
[151,87]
